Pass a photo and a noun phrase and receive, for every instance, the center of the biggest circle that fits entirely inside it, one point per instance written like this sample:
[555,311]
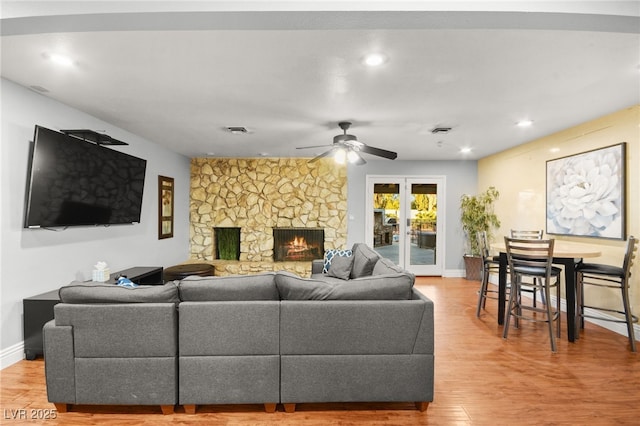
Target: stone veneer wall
[258,195]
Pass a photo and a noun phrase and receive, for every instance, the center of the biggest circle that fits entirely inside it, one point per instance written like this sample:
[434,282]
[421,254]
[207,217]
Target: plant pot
[473,267]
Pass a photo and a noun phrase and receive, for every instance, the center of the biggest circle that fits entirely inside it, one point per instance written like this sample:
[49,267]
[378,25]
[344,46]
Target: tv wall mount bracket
[93,136]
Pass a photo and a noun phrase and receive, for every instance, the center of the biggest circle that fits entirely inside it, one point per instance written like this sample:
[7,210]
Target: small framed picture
[165,207]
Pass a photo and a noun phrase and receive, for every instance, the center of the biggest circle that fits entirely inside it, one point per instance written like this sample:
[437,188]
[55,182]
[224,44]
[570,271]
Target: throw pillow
[364,260]
[341,267]
[329,255]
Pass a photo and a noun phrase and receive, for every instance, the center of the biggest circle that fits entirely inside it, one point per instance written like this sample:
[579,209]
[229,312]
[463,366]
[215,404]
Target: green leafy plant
[477,215]
[228,243]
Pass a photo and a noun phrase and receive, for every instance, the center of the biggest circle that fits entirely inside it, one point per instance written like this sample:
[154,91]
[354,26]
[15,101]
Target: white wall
[461,178]
[33,261]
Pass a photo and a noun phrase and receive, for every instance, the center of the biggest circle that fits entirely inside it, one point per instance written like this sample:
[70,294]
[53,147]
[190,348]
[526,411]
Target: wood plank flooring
[481,379]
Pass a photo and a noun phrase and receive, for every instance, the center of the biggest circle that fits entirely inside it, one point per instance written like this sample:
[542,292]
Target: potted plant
[477,215]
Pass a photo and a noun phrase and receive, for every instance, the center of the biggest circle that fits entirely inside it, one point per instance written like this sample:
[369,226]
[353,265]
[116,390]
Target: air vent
[237,130]
[439,130]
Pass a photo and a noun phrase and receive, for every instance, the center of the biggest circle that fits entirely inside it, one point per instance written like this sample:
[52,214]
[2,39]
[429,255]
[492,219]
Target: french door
[404,222]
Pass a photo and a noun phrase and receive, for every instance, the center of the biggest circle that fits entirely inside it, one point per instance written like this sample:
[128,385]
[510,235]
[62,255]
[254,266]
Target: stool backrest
[483,244]
[528,254]
[629,256]
[526,234]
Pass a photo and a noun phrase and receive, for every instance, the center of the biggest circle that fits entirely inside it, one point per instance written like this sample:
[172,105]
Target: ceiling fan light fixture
[340,156]
[352,156]
[344,138]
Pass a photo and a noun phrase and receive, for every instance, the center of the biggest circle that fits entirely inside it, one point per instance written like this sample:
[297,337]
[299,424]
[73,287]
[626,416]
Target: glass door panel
[421,249]
[386,220]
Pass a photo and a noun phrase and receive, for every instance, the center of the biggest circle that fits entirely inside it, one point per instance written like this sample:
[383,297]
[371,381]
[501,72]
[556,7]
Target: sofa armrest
[316,266]
[59,363]
[426,336]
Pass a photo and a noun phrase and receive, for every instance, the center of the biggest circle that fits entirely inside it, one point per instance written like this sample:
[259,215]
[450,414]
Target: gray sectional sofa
[272,338]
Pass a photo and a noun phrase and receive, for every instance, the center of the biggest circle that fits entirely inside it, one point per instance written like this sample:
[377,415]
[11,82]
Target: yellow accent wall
[520,176]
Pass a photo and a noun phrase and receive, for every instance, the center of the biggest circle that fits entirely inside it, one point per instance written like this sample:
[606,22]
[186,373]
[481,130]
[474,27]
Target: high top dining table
[565,253]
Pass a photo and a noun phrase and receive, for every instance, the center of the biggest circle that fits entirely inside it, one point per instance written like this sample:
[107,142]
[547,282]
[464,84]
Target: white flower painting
[585,194]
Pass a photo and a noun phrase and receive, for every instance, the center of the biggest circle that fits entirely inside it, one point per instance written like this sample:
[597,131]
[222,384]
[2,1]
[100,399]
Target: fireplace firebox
[298,244]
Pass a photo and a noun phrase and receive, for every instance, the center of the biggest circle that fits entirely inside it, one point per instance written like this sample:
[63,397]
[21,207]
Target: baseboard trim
[454,273]
[11,355]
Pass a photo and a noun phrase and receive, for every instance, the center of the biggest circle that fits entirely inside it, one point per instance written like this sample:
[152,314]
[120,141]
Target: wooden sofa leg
[289,408]
[167,409]
[422,405]
[61,407]
[270,407]
[190,409]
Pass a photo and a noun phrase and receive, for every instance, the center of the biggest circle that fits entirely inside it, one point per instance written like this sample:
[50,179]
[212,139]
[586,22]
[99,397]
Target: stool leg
[557,304]
[552,336]
[627,314]
[482,297]
[507,312]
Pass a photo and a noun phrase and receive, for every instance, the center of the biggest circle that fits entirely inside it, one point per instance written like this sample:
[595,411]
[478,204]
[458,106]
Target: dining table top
[561,248]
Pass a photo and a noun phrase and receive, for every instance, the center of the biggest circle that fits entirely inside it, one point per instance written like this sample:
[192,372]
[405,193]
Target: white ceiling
[180,77]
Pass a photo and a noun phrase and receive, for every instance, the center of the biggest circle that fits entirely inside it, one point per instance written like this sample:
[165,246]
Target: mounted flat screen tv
[73,182]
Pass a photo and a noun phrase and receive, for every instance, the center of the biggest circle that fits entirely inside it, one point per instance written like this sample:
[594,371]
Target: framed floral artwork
[586,194]
[165,207]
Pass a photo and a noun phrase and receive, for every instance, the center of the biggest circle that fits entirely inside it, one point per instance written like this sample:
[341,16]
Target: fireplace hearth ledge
[243,267]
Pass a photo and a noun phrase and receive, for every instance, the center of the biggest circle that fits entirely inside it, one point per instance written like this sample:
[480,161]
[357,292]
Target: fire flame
[298,243]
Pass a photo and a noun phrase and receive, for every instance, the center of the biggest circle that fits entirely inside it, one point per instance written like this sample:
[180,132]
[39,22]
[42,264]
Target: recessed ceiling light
[62,60]
[465,150]
[374,59]
[524,123]
[554,150]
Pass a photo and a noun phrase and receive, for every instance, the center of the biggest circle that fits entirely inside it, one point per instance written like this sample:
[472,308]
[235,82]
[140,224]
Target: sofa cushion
[382,287]
[235,287]
[364,259]
[330,254]
[386,266]
[90,292]
[341,267]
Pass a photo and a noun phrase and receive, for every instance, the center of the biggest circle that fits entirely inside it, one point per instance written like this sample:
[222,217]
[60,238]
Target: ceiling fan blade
[313,146]
[379,152]
[324,154]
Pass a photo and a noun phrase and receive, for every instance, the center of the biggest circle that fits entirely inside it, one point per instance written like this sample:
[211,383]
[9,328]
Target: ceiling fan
[347,147]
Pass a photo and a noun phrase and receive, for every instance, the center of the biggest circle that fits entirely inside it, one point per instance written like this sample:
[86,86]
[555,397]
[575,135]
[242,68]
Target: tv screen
[73,182]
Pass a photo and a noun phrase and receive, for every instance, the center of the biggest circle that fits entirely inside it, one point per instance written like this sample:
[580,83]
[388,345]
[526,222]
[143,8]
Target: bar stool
[532,258]
[612,277]
[490,264]
[529,235]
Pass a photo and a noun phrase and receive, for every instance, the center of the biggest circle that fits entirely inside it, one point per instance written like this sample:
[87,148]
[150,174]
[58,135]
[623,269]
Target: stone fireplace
[259,195]
[297,244]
